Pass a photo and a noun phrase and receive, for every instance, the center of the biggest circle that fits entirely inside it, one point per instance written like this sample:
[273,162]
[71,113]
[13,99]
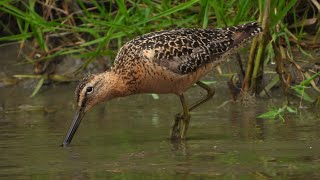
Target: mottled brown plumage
[167,61]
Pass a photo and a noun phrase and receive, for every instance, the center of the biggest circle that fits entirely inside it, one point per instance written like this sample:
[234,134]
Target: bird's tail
[243,33]
[238,36]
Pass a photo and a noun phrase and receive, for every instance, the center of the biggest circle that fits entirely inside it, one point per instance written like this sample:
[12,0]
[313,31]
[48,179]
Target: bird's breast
[151,77]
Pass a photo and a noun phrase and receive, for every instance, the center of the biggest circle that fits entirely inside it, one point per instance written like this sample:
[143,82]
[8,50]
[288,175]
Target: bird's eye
[89,90]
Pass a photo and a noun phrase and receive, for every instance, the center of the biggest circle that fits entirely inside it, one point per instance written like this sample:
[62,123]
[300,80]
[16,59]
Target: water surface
[127,138]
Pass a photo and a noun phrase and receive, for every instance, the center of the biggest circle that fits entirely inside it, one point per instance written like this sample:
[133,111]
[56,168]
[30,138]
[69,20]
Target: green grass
[99,28]
[105,30]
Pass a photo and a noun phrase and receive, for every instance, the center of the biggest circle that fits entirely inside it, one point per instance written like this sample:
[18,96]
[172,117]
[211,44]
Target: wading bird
[168,61]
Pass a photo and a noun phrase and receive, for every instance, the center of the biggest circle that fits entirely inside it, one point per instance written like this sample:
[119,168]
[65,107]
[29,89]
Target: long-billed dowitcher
[167,61]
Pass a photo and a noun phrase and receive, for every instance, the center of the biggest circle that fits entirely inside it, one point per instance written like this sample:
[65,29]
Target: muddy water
[127,138]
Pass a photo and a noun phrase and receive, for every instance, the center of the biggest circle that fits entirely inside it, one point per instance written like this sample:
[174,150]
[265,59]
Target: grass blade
[170,11]
[38,87]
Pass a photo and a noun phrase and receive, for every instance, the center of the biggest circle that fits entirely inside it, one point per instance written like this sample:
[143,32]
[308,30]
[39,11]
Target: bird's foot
[180,126]
[175,132]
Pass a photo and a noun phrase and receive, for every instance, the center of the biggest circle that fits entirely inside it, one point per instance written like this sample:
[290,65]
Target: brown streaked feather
[185,50]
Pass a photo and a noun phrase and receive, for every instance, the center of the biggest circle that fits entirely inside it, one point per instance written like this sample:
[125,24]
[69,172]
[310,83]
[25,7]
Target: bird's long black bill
[74,126]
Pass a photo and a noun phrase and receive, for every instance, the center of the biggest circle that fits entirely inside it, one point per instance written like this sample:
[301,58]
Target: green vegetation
[94,29]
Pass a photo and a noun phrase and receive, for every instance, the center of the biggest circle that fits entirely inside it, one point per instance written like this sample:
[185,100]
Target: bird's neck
[115,85]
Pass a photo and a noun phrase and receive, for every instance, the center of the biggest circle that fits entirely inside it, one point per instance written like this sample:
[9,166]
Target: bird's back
[185,50]
[172,54]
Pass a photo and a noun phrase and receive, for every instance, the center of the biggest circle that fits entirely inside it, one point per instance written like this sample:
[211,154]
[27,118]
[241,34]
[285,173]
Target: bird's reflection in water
[180,148]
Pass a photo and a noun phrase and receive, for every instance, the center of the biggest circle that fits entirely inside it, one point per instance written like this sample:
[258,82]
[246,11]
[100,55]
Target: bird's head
[90,91]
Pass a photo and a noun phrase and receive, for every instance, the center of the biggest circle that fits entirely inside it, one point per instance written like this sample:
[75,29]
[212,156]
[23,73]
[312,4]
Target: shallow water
[127,138]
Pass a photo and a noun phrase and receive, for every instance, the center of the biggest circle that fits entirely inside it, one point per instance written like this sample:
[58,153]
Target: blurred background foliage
[50,32]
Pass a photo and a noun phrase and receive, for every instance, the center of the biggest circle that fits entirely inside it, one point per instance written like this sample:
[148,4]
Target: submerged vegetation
[50,31]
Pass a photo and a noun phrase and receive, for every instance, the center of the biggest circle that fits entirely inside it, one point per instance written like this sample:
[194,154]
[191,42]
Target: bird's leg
[210,94]
[186,119]
[181,121]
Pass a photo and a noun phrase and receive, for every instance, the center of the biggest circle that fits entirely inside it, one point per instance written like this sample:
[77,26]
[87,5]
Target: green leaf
[17,37]
[301,93]
[270,114]
[282,12]
[307,81]
[122,7]
[169,11]
[291,110]
[38,87]
[243,10]
[217,9]
[205,14]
